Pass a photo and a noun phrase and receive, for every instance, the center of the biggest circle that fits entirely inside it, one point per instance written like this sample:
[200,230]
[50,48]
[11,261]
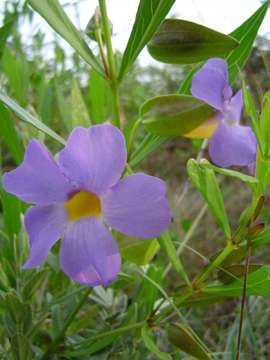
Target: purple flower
[81,195]
[231,143]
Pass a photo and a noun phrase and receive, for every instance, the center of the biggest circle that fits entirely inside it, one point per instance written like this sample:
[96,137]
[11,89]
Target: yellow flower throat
[83,204]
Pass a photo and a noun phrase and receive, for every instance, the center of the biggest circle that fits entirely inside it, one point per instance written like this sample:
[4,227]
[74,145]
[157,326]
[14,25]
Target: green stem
[111,61]
[214,265]
[118,331]
[54,345]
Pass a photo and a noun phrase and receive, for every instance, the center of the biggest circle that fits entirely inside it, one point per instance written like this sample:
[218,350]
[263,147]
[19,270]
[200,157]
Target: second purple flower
[231,143]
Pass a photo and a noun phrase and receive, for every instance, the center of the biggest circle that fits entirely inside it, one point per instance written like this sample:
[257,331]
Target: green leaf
[64,105]
[142,252]
[167,244]
[258,284]
[147,338]
[206,182]
[28,118]
[80,115]
[174,115]
[11,213]
[245,34]
[265,123]
[100,97]
[17,71]
[149,144]
[5,31]
[250,180]
[9,135]
[184,42]
[149,16]
[55,16]
[252,113]
[186,340]
[229,273]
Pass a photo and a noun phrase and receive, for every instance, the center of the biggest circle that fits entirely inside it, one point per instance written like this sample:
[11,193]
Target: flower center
[83,204]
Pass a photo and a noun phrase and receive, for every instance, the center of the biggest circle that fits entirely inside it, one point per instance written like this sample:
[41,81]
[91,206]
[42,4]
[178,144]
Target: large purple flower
[231,143]
[78,196]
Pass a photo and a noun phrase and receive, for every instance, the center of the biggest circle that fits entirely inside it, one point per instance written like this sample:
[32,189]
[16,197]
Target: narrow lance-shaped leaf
[149,343]
[56,17]
[252,113]
[100,97]
[250,180]
[80,115]
[186,340]
[184,42]
[172,115]
[28,118]
[149,16]
[265,123]
[9,134]
[206,182]
[258,283]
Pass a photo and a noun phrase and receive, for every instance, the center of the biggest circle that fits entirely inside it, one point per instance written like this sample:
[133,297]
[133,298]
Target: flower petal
[210,83]
[44,225]
[94,157]
[38,180]
[137,206]
[237,106]
[89,254]
[233,145]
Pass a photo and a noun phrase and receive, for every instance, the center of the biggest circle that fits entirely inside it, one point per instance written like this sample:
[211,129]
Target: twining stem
[243,301]
[112,76]
[56,342]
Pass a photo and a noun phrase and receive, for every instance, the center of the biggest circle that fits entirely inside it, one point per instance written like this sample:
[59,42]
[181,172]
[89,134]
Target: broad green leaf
[147,338]
[184,338]
[245,34]
[80,115]
[56,17]
[174,115]
[206,182]
[28,118]
[184,42]
[232,173]
[258,284]
[142,252]
[265,123]
[9,135]
[100,97]
[149,16]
